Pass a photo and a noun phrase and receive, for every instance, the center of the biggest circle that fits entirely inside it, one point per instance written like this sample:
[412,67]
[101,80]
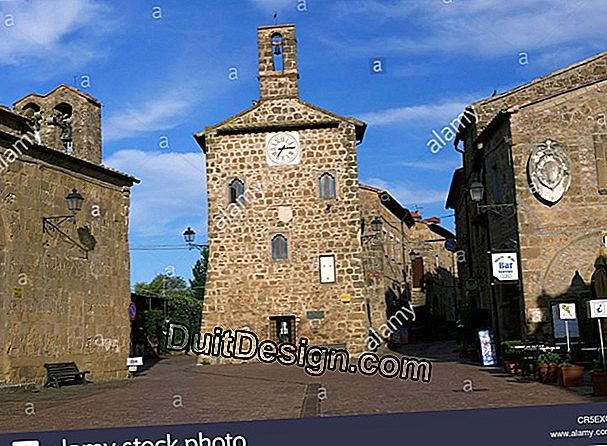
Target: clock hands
[285,147]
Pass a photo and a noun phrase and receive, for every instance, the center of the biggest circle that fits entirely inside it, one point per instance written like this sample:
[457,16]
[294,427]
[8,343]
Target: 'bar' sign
[505,266]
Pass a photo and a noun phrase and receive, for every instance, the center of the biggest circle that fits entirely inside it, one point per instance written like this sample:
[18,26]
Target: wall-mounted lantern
[53,225]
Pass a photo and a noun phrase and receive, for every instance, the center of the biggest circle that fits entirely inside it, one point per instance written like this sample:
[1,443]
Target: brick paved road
[260,391]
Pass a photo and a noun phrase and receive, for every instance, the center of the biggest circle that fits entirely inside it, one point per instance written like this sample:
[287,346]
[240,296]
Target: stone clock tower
[284,213]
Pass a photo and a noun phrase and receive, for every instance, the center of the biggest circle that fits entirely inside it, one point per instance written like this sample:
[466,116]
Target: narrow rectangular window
[600,155]
[327,186]
[236,191]
[327,269]
[279,247]
[277,52]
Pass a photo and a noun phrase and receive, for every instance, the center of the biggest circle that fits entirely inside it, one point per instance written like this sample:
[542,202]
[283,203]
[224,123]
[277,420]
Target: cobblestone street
[259,391]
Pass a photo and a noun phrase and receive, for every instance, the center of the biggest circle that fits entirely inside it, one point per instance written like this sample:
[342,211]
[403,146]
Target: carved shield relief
[549,172]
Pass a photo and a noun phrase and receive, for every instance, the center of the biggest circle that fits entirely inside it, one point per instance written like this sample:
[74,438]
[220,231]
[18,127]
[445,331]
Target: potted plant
[569,374]
[511,357]
[547,366]
[598,376]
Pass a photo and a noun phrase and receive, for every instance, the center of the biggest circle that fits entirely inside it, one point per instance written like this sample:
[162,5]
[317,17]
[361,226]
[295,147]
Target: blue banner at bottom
[576,424]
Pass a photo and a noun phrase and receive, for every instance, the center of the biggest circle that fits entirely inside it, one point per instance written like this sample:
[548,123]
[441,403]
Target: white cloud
[173,187]
[438,113]
[488,28]
[409,196]
[156,114]
[166,103]
[38,30]
[439,165]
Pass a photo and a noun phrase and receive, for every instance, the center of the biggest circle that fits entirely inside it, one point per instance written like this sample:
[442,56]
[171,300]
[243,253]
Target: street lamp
[477,191]
[52,225]
[376,225]
[74,201]
[189,235]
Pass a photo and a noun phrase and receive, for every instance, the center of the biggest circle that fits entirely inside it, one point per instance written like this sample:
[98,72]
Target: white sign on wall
[505,266]
[327,269]
[134,361]
[567,312]
[597,308]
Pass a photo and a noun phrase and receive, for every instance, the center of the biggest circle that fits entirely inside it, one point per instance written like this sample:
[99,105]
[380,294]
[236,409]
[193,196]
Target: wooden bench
[64,372]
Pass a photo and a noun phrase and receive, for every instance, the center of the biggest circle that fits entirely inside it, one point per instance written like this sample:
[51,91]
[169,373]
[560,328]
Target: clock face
[282,148]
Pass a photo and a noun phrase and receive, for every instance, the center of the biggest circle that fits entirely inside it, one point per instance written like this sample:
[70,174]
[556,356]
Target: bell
[277,50]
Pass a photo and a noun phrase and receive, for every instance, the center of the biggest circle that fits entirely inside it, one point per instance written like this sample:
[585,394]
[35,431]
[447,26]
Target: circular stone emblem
[549,172]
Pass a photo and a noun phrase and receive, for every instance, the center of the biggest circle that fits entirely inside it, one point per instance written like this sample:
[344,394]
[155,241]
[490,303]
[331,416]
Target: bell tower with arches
[278,71]
[66,119]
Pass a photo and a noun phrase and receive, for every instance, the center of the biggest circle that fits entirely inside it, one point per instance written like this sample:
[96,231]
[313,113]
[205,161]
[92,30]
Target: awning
[442,231]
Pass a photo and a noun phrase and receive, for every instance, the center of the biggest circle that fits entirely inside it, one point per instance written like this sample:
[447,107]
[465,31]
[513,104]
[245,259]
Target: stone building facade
[434,275]
[384,250]
[64,278]
[285,255]
[293,249]
[539,150]
[408,264]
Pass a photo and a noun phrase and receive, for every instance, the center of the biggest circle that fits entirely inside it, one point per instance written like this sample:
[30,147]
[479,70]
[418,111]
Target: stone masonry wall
[439,293]
[56,304]
[563,106]
[581,74]
[59,303]
[85,121]
[245,286]
[278,83]
[382,256]
[558,241]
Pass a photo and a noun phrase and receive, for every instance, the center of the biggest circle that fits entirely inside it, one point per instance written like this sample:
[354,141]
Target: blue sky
[163,73]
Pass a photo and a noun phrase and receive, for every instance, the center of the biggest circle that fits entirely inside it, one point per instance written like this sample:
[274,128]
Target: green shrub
[598,366]
[509,353]
[150,321]
[567,360]
[549,358]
